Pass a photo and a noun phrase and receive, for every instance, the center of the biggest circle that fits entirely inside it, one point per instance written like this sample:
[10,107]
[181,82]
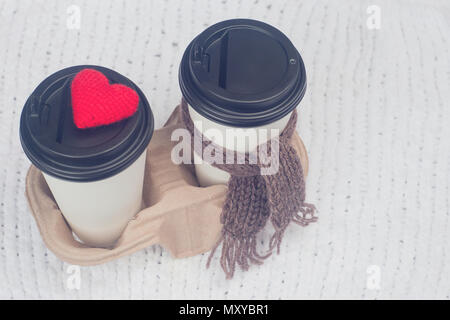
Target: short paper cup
[244,74]
[96,174]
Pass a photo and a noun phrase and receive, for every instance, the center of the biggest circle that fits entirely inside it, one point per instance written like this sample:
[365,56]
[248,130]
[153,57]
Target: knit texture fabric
[95,102]
[253,199]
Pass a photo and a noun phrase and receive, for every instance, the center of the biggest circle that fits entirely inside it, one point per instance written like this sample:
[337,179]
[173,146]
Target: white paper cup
[98,211]
[240,74]
[95,175]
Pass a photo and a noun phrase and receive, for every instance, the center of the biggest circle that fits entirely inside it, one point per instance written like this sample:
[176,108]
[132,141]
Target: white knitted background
[375,120]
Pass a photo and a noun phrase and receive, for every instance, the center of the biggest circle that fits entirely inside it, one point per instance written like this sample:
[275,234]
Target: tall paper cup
[95,175]
[240,74]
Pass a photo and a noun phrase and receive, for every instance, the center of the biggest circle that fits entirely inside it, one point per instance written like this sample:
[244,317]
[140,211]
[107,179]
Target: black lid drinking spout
[242,73]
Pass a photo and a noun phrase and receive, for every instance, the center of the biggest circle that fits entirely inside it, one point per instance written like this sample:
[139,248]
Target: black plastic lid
[242,73]
[56,146]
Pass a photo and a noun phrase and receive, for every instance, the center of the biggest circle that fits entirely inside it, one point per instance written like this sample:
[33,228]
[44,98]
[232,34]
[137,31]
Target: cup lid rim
[124,142]
[236,109]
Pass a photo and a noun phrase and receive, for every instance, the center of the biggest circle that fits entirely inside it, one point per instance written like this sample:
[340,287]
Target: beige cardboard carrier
[177,214]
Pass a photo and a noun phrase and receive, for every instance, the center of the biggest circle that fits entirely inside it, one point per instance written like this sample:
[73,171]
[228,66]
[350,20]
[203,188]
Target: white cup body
[98,211]
[208,175]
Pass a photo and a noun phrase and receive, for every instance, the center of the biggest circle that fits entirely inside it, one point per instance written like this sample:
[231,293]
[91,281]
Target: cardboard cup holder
[176,213]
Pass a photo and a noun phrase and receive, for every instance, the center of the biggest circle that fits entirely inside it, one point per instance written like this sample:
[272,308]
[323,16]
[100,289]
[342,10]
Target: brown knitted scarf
[252,198]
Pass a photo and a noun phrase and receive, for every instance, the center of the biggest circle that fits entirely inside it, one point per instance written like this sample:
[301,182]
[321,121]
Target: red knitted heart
[95,102]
